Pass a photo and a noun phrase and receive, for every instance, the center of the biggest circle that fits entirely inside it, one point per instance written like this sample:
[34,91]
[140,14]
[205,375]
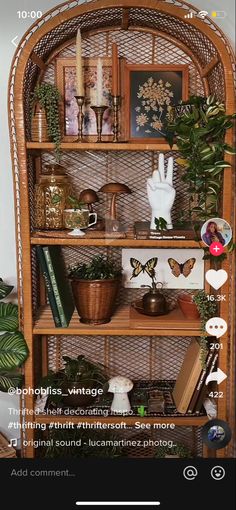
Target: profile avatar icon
[216,230]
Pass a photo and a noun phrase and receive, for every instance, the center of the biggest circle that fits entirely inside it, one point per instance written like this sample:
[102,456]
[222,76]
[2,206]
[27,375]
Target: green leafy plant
[179,449]
[100,268]
[207,309]
[76,370]
[199,132]
[160,223]
[13,348]
[75,203]
[49,98]
[81,369]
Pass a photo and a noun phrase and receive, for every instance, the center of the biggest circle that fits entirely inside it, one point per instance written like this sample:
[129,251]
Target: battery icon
[218,14]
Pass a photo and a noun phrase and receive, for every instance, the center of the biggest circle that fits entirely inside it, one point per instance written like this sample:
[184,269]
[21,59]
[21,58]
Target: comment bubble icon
[216,327]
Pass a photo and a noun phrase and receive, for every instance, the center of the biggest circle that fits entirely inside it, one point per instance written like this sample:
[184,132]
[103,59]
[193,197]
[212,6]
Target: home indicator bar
[118,503]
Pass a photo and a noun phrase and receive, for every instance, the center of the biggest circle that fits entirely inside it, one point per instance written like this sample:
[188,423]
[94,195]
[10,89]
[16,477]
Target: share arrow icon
[219,376]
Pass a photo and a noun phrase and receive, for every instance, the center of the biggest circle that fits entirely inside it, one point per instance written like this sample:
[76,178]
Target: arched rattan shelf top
[203,39]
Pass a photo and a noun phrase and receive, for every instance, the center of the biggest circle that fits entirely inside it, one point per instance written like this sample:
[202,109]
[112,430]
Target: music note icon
[13,442]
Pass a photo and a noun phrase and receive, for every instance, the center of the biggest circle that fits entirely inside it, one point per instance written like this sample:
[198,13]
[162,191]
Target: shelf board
[103,146]
[125,322]
[126,242]
[196,421]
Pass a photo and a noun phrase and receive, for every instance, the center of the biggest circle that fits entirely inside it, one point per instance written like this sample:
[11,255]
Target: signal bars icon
[190,15]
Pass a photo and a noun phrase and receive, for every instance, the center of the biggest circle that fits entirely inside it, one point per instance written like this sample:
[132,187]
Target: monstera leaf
[4,289]
[8,317]
[9,380]
[13,350]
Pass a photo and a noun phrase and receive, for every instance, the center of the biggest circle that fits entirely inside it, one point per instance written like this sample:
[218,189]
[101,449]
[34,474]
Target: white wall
[10,26]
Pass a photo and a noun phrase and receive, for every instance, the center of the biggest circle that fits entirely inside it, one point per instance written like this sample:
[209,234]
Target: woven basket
[95,299]
[6,452]
[39,131]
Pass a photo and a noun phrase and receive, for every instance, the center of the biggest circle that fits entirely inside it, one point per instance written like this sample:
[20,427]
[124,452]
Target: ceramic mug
[78,218]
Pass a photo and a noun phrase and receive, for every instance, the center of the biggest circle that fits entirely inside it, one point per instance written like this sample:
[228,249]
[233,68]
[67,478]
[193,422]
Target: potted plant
[188,306]
[95,287]
[13,347]
[46,116]
[199,128]
[78,382]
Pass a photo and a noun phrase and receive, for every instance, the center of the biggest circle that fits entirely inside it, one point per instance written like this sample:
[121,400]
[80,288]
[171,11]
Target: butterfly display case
[146,33]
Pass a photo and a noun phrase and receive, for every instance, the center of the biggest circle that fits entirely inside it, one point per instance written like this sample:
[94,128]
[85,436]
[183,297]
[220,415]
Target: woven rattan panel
[136,357]
[73,255]
[93,169]
[136,47]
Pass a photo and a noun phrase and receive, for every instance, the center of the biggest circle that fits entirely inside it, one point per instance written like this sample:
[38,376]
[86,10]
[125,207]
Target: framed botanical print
[66,83]
[148,94]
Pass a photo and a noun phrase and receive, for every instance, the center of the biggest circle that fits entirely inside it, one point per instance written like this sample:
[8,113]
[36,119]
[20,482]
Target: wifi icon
[202,14]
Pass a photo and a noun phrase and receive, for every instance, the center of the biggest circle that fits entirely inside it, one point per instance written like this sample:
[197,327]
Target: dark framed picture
[66,83]
[148,94]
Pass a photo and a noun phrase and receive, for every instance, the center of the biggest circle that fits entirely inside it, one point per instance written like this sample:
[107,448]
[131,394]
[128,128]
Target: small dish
[138,306]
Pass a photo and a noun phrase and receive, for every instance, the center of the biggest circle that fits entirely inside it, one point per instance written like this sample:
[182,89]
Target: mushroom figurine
[120,386]
[88,196]
[114,189]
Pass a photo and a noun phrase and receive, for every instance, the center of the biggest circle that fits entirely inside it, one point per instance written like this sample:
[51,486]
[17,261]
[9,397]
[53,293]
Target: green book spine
[48,285]
[55,287]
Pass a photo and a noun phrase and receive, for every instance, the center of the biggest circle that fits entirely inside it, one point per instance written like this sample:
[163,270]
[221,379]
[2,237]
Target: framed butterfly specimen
[177,268]
[185,269]
[138,267]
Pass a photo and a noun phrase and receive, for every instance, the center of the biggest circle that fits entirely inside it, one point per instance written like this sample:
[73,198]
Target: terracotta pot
[39,130]
[188,307]
[95,299]
[77,399]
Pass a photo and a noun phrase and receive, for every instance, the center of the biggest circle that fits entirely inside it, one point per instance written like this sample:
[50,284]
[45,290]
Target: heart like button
[216,278]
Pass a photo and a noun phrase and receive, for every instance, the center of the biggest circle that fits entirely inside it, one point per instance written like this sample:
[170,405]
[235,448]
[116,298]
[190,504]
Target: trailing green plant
[207,309]
[179,449]
[199,132]
[48,97]
[75,203]
[13,347]
[100,268]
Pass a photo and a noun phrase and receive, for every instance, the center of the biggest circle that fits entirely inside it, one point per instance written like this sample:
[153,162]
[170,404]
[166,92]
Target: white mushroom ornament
[120,386]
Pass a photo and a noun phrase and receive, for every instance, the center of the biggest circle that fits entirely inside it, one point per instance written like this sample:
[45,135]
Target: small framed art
[66,83]
[148,94]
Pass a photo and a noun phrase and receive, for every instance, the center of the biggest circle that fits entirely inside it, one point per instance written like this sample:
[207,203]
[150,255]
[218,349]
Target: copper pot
[154,302]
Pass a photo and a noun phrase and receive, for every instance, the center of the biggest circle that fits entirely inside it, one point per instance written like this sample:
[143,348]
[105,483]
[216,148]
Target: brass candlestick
[99,112]
[115,107]
[80,103]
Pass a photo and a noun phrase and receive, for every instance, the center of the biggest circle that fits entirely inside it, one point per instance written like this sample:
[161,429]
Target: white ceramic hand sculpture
[161,194]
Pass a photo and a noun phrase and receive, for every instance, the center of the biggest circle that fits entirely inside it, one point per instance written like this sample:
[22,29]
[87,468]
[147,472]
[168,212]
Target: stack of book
[57,284]
[190,389]
[142,231]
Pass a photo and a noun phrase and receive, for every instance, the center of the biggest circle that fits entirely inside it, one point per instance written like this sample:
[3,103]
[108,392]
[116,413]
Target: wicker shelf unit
[144,32]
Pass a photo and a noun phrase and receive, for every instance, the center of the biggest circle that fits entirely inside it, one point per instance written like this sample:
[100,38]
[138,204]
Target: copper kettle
[154,302]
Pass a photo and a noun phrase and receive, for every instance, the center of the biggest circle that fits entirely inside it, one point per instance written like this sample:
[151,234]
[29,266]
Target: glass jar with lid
[51,195]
